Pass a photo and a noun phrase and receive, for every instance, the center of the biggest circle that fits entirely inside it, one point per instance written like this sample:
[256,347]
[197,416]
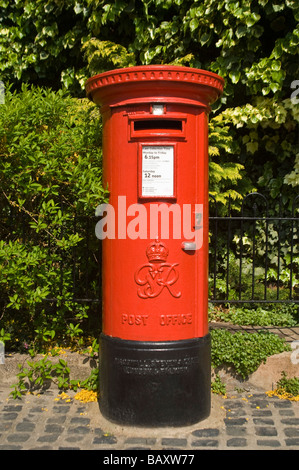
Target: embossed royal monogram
[156,275]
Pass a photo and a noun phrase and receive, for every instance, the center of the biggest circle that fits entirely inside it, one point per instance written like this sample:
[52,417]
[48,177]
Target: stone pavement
[243,421]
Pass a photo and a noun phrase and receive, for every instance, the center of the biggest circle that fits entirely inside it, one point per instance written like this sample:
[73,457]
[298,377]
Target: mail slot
[156,124]
[155,343]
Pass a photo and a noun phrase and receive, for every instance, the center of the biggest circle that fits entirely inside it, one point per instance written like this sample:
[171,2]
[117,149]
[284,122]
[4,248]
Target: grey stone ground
[248,419]
[243,421]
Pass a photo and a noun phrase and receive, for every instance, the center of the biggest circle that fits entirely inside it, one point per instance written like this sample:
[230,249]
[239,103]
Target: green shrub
[272,315]
[288,385]
[244,351]
[40,374]
[217,386]
[50,172]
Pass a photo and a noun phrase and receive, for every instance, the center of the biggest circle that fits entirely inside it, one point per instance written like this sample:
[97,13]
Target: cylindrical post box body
[155,344]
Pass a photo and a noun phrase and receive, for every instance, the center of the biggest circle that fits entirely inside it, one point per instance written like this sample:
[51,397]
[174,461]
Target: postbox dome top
[152,83]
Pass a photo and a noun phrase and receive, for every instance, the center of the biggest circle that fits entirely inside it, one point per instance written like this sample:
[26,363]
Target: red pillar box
[155,343]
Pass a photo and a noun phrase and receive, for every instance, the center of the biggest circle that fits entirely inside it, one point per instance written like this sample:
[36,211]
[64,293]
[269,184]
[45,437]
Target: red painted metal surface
[155,158]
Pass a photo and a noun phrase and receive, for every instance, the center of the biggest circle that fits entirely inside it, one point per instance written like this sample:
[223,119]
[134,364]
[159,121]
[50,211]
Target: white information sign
[158,170]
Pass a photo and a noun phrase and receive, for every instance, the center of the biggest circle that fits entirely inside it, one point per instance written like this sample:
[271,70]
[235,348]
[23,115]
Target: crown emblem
[157,252]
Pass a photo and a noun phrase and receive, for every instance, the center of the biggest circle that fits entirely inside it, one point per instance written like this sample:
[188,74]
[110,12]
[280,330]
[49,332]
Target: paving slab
[242,421]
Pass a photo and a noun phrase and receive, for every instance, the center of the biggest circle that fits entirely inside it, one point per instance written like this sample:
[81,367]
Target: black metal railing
[253,254]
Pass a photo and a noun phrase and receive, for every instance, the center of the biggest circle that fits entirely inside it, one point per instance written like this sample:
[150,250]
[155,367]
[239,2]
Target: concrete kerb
[263,379]
[80,365]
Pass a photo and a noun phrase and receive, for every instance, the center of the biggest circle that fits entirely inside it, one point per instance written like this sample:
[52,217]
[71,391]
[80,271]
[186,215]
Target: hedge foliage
[50,171]
[244,352]
[252,44]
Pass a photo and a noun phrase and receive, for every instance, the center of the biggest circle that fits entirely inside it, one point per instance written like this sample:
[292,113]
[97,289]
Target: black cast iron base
[155,383]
